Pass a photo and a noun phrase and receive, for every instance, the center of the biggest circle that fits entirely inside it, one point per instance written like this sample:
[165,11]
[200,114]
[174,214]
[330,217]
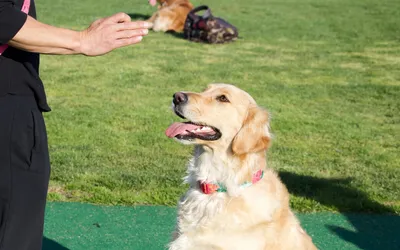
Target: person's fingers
[133,25]
[118,18]
[132,33]
[128,41]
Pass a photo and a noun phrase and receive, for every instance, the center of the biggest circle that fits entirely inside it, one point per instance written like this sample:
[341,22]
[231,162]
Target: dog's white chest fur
[204,221]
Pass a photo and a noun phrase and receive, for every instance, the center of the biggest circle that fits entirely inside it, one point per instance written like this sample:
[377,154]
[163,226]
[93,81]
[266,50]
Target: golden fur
[171,15]
[252,218]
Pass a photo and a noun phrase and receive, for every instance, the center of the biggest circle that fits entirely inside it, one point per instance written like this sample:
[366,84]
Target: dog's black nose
[180,98]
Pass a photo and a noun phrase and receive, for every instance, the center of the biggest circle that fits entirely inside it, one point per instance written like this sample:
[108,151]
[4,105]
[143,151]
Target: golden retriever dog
[234,201]
[171,15]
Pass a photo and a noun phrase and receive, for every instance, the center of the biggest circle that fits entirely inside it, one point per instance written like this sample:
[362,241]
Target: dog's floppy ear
[254,136]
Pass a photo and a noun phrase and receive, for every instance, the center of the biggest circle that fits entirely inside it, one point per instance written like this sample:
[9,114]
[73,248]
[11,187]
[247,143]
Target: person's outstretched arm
[100,38]
[19,30]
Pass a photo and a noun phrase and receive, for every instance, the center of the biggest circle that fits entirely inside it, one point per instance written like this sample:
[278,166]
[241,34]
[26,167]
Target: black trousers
[24,173]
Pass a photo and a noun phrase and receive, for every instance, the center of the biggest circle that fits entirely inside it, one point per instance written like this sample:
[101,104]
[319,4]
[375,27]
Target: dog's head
[222,117]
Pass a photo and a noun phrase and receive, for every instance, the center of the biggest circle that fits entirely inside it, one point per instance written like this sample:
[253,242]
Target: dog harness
[211,187]
[25,9]
[208,28]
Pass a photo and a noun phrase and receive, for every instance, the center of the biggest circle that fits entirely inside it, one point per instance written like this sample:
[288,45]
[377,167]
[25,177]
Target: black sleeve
[11,20]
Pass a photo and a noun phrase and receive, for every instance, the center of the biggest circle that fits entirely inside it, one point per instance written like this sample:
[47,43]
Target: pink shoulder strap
[25,9]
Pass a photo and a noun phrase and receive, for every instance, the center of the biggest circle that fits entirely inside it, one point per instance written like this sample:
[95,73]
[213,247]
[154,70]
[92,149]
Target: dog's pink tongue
[153,2]
[179,128]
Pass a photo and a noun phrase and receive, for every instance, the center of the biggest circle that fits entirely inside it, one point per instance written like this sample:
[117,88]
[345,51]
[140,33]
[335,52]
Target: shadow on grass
[138,16]
[175,34]
[372,231]
[49,244]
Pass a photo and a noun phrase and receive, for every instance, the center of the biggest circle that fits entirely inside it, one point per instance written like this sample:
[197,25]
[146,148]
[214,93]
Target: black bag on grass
[207,28]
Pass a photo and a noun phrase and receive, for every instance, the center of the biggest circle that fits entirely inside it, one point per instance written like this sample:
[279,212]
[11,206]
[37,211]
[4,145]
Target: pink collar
[210,188]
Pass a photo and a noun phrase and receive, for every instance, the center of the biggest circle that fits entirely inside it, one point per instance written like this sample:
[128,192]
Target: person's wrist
[78,47]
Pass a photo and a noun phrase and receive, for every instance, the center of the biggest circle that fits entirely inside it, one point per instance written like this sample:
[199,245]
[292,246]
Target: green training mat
[76,226]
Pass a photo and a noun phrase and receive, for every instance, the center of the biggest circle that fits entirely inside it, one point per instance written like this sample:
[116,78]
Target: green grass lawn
[328,72]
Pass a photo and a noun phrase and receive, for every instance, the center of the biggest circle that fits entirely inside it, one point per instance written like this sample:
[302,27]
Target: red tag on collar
[208,188]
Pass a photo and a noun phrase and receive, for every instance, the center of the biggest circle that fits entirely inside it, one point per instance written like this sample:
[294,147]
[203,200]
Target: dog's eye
[222,98]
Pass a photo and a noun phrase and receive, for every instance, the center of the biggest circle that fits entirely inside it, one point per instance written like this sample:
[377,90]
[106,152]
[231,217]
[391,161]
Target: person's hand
[110,33]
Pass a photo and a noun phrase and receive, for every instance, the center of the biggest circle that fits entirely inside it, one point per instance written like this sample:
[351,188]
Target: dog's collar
[212,187]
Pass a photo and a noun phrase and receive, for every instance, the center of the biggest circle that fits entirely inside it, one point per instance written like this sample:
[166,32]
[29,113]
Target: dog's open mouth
[190,131]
